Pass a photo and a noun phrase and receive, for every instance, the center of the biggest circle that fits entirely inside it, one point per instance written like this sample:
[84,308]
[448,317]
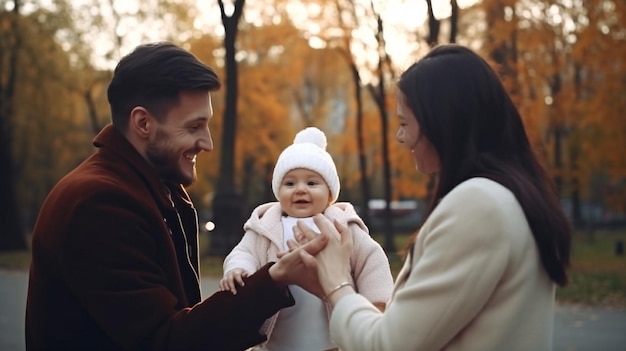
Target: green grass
[15,260]
[396,260]
[211,266]
[597,275]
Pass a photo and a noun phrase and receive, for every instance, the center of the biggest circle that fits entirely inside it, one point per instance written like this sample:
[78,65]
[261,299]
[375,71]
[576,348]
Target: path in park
[575,328]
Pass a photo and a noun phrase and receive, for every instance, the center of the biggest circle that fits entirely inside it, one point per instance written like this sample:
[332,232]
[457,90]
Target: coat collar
[110,139]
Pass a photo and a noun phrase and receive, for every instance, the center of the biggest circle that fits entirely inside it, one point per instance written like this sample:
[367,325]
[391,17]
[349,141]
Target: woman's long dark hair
[465,112]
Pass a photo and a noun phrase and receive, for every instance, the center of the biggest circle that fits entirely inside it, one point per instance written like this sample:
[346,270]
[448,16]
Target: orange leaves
[569,84]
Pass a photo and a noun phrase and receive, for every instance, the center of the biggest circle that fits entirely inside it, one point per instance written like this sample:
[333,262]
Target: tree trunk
[92,111]
[454,21]
[433,26]
[358,97]
[558,158]
[12,235]
[268,193]
[576,214]
[558,128]
[365,188]
[380,98]
[228,204]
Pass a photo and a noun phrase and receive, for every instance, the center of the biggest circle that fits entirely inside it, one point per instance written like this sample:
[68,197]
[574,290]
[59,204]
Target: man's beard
[166,162]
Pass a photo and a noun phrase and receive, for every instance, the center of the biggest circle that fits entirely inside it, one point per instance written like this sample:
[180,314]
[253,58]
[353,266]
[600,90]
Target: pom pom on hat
[307,151]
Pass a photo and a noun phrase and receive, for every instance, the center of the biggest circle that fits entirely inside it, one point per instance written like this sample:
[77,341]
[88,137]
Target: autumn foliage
[563,62]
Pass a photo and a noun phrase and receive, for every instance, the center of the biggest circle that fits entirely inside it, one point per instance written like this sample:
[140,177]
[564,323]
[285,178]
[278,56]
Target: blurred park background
[287,64]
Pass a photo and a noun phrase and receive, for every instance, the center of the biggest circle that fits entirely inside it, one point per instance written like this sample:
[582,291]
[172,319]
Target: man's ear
[141,122]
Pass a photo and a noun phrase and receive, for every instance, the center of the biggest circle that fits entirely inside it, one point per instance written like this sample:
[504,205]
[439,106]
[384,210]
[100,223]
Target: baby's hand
[231,279]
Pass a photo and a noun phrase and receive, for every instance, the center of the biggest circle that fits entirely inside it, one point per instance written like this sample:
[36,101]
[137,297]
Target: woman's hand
[333,262]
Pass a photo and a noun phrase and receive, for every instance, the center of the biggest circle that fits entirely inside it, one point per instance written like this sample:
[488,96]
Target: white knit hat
[307,151]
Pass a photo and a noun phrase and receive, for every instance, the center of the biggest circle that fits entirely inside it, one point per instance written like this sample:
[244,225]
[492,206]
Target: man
[114,250]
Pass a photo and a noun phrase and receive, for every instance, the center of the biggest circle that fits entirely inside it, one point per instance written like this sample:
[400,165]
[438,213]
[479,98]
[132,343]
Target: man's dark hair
[153,76]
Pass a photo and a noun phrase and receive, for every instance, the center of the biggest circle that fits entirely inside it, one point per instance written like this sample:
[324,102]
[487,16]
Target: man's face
[185,133]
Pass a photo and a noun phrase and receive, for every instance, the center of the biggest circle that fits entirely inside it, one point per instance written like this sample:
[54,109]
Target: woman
[481,272]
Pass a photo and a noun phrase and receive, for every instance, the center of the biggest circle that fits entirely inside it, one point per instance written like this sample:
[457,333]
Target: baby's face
[303,193]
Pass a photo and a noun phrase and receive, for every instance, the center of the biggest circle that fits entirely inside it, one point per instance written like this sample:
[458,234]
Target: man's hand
[290,268]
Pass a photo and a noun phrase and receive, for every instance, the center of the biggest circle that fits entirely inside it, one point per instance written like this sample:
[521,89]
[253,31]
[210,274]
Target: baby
[306,183]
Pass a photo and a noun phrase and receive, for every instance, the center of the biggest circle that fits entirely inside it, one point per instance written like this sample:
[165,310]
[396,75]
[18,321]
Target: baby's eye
[312,183]
[289,183]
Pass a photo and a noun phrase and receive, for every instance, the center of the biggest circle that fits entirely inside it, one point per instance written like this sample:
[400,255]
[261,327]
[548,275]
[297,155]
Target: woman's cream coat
[473,282]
